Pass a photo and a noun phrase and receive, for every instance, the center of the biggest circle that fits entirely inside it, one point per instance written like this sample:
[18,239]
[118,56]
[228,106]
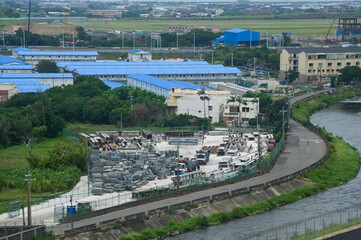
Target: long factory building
[198,72]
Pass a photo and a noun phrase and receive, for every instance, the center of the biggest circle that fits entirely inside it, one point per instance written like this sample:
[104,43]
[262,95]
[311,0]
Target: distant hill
[6,12]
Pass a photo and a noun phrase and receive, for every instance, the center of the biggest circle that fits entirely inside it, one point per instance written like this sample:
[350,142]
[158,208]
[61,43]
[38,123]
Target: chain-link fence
[14,209]
[313,227]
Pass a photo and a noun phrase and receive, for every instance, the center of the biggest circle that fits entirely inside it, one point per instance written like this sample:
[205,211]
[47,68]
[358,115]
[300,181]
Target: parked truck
[202,156]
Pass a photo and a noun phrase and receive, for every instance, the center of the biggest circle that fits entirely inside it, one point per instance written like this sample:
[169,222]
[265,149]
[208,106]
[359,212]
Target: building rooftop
[35,75]
[113,85]
[10,60]
[139,51]
[22,49]
[325,50]
[165,84]
[16,67]
[27,85]
[236,30]
[48,53]
[146,68]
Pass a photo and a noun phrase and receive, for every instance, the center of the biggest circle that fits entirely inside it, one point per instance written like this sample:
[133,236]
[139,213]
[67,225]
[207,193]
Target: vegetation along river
[341,119]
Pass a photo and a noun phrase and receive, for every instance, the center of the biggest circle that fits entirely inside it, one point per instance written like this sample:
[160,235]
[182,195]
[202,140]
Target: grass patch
[342,165]
[13,162]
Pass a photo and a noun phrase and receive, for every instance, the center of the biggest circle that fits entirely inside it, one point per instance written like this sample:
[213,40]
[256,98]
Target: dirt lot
[40,28]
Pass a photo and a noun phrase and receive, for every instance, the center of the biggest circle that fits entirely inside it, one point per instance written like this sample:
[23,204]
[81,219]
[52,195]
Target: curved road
[303,149]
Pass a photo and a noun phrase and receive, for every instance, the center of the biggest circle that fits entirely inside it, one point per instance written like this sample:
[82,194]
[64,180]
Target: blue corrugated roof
[43,53]
[187,85]
[138,50]
[27,85]
[236,30]
[113,85]
[7,60]
[36,75]
[22,49]
[146,68]
[165,84]
[16,67]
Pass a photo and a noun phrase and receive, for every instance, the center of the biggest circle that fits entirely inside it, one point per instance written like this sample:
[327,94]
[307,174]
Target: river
[341,119]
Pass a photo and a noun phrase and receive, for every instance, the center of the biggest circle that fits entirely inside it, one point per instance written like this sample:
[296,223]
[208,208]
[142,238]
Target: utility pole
[254,65]
[232,59]
[177,39]
[29,16]
[177,192]
[22,207]
[194,42]
[73,41]
[283,111]
[133,40]
[24,37]
[71,212]
[63,39]
[123,39]
[121,121]
[259,147]
[3,39]
[212,56]
[29,194]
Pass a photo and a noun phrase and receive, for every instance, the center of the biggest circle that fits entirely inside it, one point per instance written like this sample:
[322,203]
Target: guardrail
[227,193]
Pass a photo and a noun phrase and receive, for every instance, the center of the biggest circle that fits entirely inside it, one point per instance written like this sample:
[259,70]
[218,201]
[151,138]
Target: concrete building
[139,55]
[34,57]
[199,72]
[7,90]
[241,111]
[238,38]
[349,29]
[52,79]
[159,86]
[189,102]
[318,64]
[234,89]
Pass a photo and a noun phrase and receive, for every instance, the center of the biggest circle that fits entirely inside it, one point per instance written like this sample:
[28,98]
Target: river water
[341,119]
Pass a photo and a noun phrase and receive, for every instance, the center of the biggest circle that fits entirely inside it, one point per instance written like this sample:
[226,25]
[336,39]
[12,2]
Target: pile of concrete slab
[126,170]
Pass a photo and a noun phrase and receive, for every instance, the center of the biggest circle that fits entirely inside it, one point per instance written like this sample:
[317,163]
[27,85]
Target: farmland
[303,27]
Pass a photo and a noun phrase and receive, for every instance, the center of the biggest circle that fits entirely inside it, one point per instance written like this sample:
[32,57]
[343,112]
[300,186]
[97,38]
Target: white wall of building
[193,105]
[139,57]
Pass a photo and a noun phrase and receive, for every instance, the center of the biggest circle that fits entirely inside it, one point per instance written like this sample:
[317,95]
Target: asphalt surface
[303,148]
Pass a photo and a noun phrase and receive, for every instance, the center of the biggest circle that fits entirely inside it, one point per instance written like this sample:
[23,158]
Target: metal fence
[313,227]
[20,232]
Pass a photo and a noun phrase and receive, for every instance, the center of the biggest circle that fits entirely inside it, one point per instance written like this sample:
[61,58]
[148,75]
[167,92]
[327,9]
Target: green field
[303,27]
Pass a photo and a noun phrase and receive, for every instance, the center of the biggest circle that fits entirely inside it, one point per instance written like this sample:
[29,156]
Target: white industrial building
[159,86]
[34,57]
[190,102]
[233,88]
[240,111]
[52,79]
[16,68]
[199,72]
[139,55]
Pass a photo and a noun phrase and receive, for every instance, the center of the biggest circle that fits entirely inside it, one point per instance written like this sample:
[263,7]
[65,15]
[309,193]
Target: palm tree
[202,94]
[207,98]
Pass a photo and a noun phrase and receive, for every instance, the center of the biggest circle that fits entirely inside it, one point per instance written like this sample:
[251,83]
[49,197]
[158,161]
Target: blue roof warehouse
[238,38]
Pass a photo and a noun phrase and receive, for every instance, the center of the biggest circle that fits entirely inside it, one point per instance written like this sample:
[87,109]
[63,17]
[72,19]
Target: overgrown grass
[342,165]
[14,159]
[311,234]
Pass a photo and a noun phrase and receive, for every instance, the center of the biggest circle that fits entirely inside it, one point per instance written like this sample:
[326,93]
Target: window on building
[309,57]
[313,70]
[357,63]
[348,64]
[310,64]
[339,64]
[328,70]
[309,70]
[332,70]
[329,64]
[245,109]
[199,111]
[210,108]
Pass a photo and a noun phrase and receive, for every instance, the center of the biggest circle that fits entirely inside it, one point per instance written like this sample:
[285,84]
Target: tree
[350,74]
[46,66]
[292,76]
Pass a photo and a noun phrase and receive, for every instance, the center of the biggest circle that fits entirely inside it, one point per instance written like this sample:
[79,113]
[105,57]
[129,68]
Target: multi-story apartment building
[318,64]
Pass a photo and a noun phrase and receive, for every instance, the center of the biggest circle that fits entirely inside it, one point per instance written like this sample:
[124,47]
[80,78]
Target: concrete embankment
[160,217]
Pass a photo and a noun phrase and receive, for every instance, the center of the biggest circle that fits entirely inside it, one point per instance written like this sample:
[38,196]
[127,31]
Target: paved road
[303,149]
